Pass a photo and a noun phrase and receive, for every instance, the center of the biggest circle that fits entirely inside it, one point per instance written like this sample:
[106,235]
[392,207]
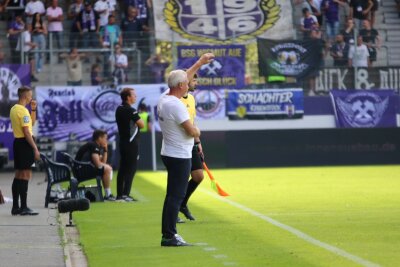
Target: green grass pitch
[315,216]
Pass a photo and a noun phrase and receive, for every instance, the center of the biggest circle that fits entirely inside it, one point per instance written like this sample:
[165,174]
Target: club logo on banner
[264,104]
[227,70]
[288,58]
[364,109]
[12,77]
[222,21]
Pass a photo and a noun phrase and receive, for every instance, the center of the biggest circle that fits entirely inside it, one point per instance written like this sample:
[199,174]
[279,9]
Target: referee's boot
[28,212]
[185,210]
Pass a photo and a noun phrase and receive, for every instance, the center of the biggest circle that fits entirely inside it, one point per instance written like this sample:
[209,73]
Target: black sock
[192,185]
[23,193]
[15,188]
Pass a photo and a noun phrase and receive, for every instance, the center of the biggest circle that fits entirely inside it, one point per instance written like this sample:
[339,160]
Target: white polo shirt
[54,26]
[171,114]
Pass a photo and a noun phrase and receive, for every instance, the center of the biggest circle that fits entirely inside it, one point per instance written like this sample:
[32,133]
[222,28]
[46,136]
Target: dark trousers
[178,175]
[127,167]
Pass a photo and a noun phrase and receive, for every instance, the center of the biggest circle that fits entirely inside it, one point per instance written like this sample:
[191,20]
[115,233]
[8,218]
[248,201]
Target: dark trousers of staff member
[178,174]
[127,167]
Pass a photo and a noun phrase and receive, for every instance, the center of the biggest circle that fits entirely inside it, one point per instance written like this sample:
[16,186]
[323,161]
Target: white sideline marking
[209,249]
[220,256]
[296,232]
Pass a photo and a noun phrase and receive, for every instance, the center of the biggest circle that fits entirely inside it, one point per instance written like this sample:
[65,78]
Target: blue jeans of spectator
[332,29]
[40,41]
[178,176]
[90,40]
[57,39]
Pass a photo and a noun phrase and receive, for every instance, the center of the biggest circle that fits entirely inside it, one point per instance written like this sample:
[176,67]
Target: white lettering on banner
[362,80]
[331,78]
[390,79]
[265,108]
[264,98]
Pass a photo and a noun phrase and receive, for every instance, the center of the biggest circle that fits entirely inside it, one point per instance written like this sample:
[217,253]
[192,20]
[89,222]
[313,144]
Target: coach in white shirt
[177,144]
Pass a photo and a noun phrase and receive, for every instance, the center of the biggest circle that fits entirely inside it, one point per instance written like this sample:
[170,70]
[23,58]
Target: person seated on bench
[95,151]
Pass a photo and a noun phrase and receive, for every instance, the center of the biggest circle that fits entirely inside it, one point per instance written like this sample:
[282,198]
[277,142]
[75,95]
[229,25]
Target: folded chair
[56,173]
[84,171]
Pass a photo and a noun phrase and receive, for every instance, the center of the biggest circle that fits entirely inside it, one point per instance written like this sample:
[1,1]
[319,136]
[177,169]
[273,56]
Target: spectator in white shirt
[359,55]
[102,8]
[34,6]
[120,62]
[55,19]
[26,45]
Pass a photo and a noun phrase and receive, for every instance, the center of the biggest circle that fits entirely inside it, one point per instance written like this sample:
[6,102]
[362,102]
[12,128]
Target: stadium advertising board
[12,76]
[291,58]
[66,111]
[364,108]
[222,21]
[227,70]
[264,104]
[372,78]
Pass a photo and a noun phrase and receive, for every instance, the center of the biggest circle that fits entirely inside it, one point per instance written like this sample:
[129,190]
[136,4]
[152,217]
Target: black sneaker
[179,220]
[109,198]
[34,79]
[28,211]
[176,241]
[186,212]
[15,211]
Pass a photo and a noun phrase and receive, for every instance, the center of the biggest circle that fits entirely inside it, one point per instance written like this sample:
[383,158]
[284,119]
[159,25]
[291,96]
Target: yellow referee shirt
[190,104]
[20,117]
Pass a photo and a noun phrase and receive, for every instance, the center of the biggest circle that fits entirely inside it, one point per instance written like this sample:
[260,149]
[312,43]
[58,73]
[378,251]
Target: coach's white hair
[175,77]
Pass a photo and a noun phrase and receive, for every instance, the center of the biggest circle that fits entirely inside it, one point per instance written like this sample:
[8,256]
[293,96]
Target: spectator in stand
[33,7]
[17,7]
[73,11]
[15,28]
[143,7]
[74,66]
[55,18]
[120,63]
[308,23]
[375,7]
[39,32]
[102,9]
[398,6]
[132,27]
[88,24]
[157,65]
[339,52]
[2,55]
[331,10]
[348,32]
[110,35]
[25,43]
[316,36]
[359,55]
[359,11]
[95,75]
[371,39]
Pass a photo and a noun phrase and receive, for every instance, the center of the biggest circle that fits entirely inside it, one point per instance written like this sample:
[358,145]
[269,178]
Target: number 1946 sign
[221,21]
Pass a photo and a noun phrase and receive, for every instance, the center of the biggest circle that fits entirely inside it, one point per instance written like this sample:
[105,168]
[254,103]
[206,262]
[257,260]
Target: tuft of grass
[353,208]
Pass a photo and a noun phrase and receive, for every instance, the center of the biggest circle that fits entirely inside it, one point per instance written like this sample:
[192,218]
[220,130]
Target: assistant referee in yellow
[25,149]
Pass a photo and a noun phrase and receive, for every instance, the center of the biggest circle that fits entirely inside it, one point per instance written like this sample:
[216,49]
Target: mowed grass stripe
[123,234]
[296,232]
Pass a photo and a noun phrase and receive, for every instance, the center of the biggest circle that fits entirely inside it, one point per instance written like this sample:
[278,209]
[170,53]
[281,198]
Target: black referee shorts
[24,156]
[196,160]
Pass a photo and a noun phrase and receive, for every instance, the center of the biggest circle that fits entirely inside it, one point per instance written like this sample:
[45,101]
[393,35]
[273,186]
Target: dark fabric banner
[364,108]
[291,58]
[227,70]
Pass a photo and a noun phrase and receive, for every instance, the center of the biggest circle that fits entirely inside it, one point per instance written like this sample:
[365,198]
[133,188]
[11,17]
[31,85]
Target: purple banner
[364,108]
[227,70]
[12,76]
